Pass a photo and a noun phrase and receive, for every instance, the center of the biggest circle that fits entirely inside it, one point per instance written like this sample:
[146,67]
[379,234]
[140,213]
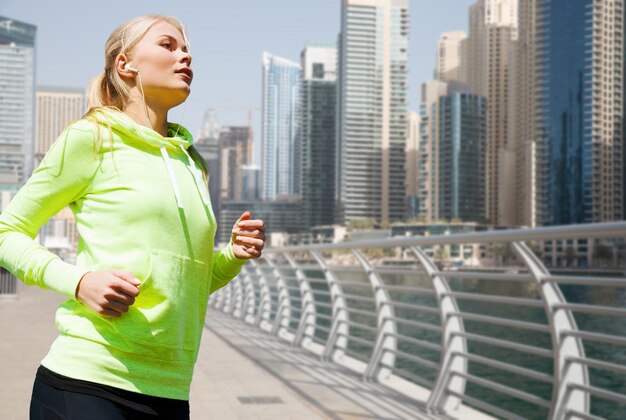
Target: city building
[493,27]
[518,195]
[251,183]
[56,108]
[450,56]
[580,111]
[318,134]
[210,126]
[280,150]
[233,144]
[17,107]
[372,128]
[461,157]
[427,200]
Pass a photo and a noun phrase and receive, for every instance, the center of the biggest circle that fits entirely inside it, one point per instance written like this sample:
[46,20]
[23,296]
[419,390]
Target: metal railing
[513,338]
[8,284]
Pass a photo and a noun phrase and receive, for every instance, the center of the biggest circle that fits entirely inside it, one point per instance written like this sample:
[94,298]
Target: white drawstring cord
[168,164]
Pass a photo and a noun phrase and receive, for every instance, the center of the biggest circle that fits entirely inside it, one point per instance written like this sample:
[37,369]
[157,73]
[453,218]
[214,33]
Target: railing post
[228,297]
[338,337]
[284,303]
[564,397]
[238,301]
[248,300]
[264,312]
[441,401]
[306,327]
[386,342]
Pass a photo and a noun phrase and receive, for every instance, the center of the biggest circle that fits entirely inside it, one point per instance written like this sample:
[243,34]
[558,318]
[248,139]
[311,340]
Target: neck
[155,119]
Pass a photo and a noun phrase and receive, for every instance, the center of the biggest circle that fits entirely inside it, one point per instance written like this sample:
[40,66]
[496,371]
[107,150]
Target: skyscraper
[372,70]
[449,56]
[581,110]
[280,157]
[518,194]
[451,153]
[493,26]
[318,138]
[233,157]
[427,205]
[56,108]
[461,157]
[17,107]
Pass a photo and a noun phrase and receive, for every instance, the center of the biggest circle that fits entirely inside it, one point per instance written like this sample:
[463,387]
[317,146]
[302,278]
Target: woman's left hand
[248,237]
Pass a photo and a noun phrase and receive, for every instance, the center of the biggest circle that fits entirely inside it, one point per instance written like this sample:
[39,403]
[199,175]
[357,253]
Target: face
[164,65]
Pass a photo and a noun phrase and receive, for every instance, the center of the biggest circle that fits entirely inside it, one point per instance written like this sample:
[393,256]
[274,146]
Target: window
[318,70]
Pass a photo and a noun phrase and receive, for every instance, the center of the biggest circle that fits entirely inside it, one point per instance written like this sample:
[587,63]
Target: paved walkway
[241,373]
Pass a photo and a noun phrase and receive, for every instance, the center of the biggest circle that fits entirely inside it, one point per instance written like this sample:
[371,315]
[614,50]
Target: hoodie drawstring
[173,180]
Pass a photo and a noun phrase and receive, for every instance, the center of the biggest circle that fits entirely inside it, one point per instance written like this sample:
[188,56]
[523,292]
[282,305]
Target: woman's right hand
[109,293]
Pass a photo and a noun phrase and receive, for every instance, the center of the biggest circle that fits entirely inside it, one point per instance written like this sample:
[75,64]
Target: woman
[130,330]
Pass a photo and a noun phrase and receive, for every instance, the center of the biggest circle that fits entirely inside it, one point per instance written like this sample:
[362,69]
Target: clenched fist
[109,293]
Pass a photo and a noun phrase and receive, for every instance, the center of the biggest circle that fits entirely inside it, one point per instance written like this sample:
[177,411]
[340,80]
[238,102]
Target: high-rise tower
[17,107]
[372,128]
[280,157]
[581,110]
[318,129]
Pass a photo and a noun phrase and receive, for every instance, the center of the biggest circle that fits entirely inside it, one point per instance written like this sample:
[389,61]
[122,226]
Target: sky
[227,40]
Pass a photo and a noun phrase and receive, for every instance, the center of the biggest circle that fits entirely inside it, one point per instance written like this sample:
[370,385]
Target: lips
[186,71]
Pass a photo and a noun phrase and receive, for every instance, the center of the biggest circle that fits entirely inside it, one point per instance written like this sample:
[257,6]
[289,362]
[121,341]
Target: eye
[167,45]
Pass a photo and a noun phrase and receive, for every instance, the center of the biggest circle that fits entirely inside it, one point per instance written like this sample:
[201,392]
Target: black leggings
[49,403]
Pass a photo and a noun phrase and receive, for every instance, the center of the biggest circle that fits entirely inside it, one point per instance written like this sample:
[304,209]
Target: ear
[120,67]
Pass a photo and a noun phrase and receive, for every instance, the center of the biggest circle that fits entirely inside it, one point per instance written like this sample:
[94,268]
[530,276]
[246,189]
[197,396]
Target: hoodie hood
[178,138]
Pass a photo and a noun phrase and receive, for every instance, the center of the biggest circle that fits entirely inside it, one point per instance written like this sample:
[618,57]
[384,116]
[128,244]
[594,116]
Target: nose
[186,57]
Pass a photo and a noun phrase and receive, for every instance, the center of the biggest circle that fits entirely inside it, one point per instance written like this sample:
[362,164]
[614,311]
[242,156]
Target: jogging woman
[130,329]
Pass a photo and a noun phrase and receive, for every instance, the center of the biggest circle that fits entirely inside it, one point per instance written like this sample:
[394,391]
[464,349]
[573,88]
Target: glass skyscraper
[318,126]
[280,153]
[580,72]
[372,128]
[17,104]
[462,136]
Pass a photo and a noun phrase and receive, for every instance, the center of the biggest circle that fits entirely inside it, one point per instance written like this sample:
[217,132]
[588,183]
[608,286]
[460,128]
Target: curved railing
[506,335]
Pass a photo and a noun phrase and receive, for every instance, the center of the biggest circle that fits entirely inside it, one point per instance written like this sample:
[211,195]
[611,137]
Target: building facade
[56,108]
[581,111]
[462,133]
[450,175]
[280,151]
[318,139]
[233,143]
[450,56]
[493,27]
[17,108]
[372,73]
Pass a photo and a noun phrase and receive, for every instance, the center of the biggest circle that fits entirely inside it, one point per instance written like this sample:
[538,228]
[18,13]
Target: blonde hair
[108,89]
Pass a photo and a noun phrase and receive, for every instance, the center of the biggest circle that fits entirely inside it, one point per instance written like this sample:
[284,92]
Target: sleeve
[62,177]
[225,267]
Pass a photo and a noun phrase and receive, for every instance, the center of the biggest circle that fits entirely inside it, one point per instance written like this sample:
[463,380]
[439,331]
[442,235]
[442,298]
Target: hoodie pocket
[170,308]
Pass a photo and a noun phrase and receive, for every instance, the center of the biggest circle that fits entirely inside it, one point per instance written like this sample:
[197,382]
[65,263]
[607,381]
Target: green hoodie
[141,206]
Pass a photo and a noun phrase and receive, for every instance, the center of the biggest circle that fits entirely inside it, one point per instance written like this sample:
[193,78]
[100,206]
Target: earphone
[127,66]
